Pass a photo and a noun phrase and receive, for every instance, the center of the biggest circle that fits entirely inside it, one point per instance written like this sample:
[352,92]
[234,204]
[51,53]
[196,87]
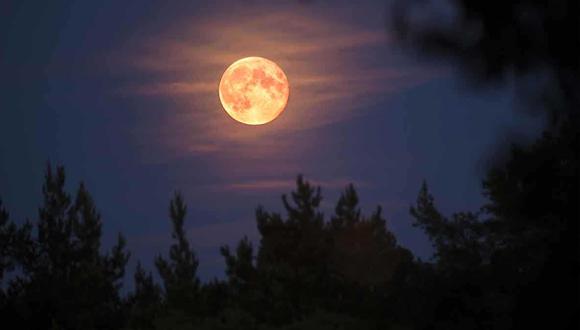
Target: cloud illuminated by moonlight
[335,72]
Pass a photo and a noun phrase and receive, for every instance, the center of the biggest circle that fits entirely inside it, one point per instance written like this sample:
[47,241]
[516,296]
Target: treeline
[513,264]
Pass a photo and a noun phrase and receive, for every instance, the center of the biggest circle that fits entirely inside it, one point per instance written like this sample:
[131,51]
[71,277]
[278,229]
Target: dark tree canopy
[179,273]
[7,231]
[523,244]
[524,241]
[144,302]
[65,280]
[495,39]
[312,272]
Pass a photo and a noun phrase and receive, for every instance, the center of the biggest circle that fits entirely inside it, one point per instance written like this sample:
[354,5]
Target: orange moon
[254,90]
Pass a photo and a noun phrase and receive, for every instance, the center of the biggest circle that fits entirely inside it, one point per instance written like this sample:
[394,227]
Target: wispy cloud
[172,88]
[286,185]
[335,70]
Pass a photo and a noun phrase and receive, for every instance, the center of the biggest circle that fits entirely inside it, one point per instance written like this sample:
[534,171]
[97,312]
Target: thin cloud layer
[335,73]
[285,185]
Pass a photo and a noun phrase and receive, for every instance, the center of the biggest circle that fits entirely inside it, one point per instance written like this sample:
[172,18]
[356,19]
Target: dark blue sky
[124,94]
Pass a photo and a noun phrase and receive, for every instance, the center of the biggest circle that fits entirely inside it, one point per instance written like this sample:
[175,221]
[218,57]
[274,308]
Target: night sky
[124,95]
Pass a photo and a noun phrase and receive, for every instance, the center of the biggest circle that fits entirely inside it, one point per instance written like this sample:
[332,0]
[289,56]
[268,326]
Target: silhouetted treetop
[66,281]
[144,302]
[307,271]
[7,232]
[460,242]
[179,273]
[306,200]
[240,268]
[347,211]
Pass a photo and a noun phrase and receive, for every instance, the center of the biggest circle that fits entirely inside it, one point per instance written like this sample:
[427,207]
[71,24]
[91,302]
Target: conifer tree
[242,277]
[240,268]
[365,258]
[461,242]
[7,230]
[292,255]
[66,280]
[179,272]
[145,301]
[347,212]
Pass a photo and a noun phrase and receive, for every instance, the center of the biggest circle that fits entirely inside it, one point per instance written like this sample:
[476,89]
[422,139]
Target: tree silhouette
[308,273]
[144,302]
[65,280]
[365,260]
[346,211]
[7,232]
[466,295]
[460,243]
[307,268]
[292,254]
[179,273]
[522,243]
[361,247]
[534,204]
[242,277]
[7,243]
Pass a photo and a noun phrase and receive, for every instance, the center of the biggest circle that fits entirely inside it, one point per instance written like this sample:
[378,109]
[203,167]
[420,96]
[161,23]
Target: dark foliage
[144,303]
[522,247]
[495,40]
[518,257]
[63,279]
[179,273]
[534,203]
[308,272]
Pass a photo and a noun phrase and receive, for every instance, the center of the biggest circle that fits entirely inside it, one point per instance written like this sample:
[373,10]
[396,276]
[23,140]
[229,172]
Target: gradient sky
[124,94]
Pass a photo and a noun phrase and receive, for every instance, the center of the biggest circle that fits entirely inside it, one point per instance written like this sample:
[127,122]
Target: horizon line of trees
[510,265]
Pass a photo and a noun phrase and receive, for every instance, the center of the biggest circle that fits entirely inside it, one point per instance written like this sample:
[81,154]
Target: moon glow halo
[254,90]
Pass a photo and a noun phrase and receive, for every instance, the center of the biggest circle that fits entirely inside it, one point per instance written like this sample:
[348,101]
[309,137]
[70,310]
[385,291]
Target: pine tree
[179,273]
[145,301]
[7,232]
[292,255]
[240,268]
[461,242]
[7,235]
[347,212]
[66,281]
[533,209]
[242,277]
[365,258]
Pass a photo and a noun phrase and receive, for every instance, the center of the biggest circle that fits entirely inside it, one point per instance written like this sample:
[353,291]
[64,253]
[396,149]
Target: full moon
[254,90]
